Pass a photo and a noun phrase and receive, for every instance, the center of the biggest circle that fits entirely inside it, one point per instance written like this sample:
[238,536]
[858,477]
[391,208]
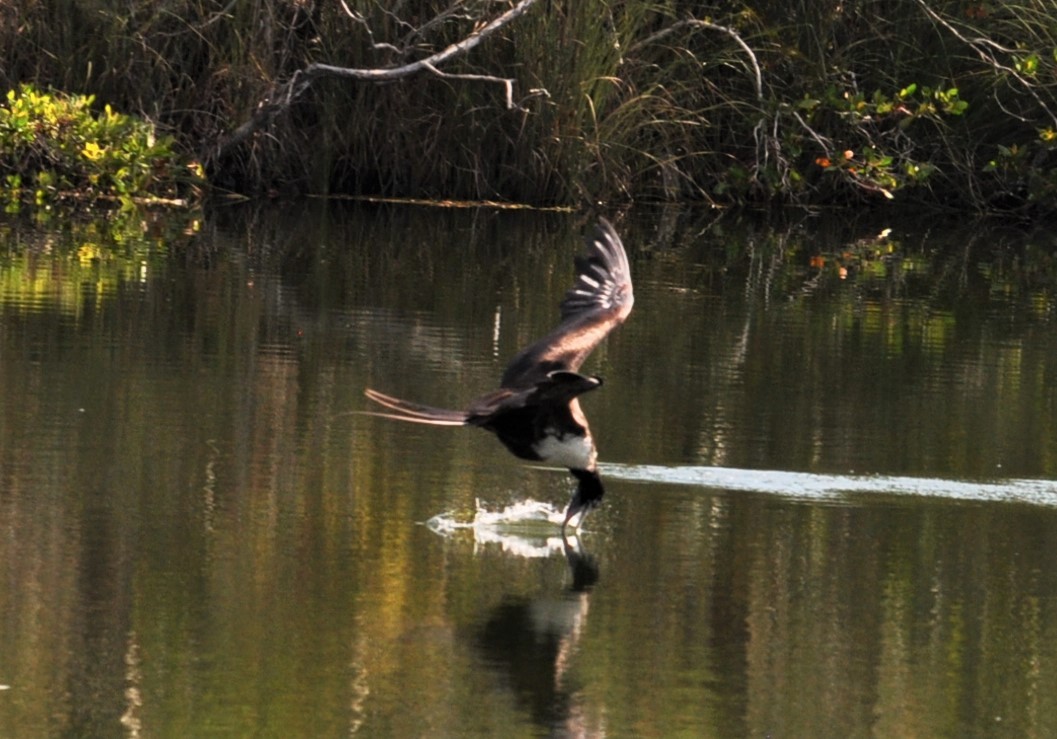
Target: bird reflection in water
[530,642]
[536,410]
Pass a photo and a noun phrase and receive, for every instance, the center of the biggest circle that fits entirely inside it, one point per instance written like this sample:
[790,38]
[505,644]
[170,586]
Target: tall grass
[853,101]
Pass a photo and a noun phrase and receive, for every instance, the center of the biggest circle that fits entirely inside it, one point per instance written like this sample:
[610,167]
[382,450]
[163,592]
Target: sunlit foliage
[944,104]
[54,145]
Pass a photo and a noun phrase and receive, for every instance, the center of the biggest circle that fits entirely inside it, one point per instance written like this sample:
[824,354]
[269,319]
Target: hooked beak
[589,492]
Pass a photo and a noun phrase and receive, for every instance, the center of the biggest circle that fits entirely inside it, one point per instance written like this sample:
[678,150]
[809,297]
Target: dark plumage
[536,412]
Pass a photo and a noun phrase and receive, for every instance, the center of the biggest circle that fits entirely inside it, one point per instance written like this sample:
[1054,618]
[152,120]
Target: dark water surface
[828,456]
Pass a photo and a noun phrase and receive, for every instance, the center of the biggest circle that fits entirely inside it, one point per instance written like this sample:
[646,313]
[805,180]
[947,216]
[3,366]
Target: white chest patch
[573,451]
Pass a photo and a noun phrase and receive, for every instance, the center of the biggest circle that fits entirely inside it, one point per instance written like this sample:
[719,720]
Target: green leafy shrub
[950,104]
[869,146]
[55,146]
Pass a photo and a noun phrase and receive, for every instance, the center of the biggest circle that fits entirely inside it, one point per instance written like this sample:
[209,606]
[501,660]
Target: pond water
[829,446]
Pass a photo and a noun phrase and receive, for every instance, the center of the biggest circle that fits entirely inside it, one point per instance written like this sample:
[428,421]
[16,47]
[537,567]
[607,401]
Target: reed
[949,104]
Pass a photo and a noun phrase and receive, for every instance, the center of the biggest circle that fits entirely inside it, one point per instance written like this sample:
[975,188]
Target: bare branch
[287,93]
[394,73]
[825,144]
[507,83]
[455,11]
[357,18]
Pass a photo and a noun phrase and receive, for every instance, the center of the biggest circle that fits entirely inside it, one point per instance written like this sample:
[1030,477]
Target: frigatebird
[536,410]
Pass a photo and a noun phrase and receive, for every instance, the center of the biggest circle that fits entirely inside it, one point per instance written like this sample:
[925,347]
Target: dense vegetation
[54,145]
[946,102]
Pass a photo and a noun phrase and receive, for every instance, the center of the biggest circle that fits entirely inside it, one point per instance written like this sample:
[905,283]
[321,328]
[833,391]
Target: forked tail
[405,410]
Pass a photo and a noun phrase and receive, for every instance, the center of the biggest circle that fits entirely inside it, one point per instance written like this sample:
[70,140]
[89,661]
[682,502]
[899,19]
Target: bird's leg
[570,514]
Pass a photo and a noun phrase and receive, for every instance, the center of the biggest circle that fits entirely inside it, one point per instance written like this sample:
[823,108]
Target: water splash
[528,528]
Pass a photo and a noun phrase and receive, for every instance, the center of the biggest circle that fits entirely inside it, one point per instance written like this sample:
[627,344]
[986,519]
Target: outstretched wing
[603,278]
[600,300]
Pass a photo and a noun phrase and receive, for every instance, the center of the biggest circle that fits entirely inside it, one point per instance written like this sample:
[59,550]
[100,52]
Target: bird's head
[589,492]
[563,385]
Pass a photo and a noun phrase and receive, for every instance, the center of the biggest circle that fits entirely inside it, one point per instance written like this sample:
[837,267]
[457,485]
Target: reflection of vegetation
[851,335]
[211,546]
[935,264]
[54,146]
[87,260]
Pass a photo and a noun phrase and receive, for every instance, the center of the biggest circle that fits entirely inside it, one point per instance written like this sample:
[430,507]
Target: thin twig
[695,23]
[977,44]
[763,145]
[357,18]
[820,140]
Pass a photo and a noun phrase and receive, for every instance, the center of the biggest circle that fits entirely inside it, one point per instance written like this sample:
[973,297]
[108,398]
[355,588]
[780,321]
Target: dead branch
[290,91]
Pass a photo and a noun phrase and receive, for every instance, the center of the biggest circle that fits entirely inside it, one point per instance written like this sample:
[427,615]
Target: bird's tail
[405,410]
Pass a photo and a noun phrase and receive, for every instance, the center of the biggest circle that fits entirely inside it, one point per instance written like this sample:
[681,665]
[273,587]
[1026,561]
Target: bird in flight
[536,410]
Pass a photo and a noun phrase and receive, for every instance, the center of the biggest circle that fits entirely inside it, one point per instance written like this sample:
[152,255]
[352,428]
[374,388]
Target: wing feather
[600,299]
[603,277]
